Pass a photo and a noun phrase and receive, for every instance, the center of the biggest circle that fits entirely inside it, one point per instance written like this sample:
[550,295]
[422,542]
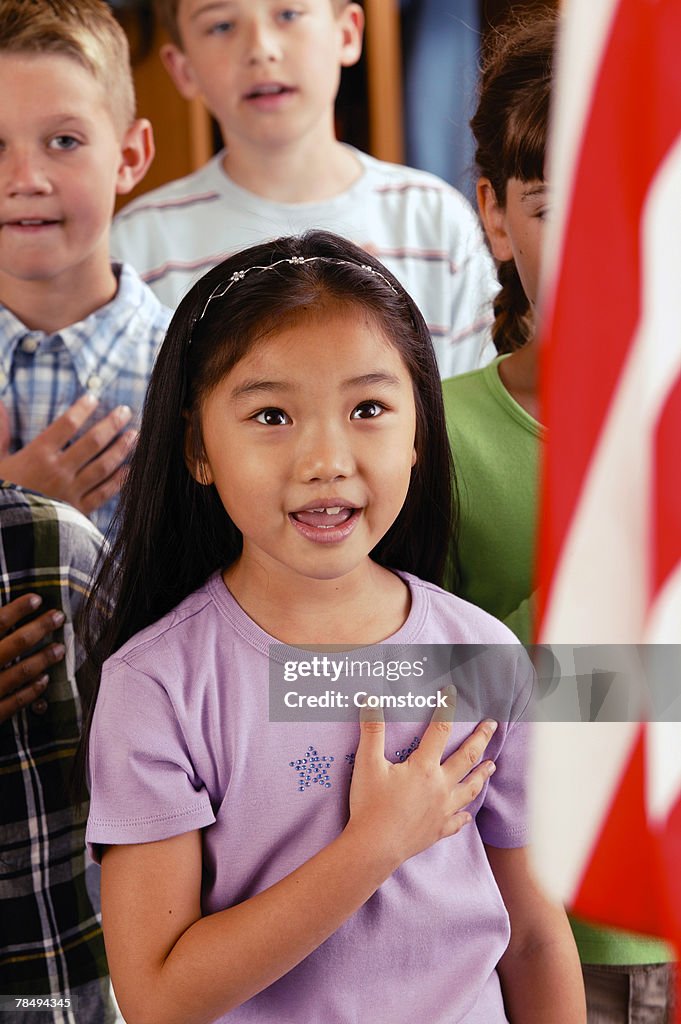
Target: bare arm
[23,678]
[86,473]
[540,974]
[170,964]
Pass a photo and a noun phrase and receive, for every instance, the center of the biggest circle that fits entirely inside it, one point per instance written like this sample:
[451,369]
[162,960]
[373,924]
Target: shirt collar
[100,344]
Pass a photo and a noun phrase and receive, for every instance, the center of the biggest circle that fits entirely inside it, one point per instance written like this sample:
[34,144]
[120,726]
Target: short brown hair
[166,12]
[84,30]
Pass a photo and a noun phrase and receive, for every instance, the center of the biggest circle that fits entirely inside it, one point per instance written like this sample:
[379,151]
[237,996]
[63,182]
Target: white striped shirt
[419,226]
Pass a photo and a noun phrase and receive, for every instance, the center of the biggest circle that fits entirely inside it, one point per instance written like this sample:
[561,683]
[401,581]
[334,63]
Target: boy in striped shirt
[269,72]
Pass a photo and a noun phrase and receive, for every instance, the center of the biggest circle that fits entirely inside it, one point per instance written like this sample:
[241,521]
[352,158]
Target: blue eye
[221,28]
[64,142]
[367,411]
[289,15]
[272,418]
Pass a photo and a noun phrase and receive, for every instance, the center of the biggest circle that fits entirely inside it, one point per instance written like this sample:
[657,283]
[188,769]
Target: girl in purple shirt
[261,861]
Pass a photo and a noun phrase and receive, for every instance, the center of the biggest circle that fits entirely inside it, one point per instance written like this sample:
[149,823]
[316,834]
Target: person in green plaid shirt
[50,935]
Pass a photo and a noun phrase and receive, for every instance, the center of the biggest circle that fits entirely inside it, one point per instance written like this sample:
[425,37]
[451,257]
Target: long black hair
[510,127]
[171,532]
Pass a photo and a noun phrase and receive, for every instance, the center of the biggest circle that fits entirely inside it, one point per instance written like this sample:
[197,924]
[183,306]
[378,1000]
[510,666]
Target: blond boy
[78,334]
[78,337]
[269,73]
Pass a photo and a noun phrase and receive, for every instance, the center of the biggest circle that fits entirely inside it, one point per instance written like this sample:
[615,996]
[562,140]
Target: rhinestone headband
[221,289]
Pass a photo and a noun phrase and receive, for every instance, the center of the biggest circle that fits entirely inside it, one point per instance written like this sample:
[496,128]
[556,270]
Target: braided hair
[510,127]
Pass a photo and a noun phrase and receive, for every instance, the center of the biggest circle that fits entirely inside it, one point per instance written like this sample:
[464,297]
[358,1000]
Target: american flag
[608,808]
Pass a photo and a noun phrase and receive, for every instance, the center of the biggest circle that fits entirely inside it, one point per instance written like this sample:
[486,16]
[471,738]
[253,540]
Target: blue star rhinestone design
[312,768]
[403,754]
[400,755]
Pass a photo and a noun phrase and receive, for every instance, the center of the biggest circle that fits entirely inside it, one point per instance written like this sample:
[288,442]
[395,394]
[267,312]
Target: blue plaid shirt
[111,353]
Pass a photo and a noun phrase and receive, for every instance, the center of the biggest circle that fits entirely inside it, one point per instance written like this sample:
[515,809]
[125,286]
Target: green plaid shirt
[50,935]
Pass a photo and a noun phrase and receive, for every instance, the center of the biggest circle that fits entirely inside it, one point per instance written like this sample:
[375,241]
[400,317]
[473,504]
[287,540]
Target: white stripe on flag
[663,769]
[599,564]
[664,618]
[565,825]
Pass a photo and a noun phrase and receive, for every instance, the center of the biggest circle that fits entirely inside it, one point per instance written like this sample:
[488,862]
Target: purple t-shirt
[181,740]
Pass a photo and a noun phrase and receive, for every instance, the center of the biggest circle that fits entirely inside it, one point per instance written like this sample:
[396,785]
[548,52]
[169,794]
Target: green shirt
[495,444]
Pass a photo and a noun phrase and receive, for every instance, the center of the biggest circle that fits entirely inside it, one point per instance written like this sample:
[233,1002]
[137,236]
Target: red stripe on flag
[669,849]
[667,488]
[669,844]
[589,325]
[621,883]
